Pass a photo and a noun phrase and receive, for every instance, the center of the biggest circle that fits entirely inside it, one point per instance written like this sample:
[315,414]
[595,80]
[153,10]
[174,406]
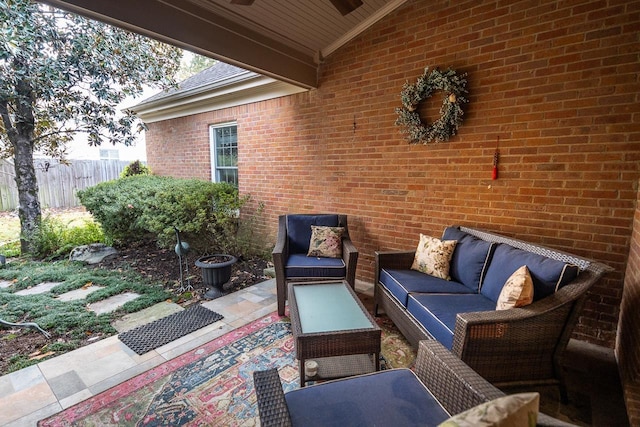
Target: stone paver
[5,283]
[78,293]
[148,315]
[39,289]
[112,303]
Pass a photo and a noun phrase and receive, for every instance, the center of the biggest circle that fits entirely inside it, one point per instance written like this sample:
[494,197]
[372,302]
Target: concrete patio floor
[41,390]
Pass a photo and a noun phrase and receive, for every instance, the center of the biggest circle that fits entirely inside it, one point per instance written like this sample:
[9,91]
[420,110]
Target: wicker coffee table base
[339,353]
[330,368]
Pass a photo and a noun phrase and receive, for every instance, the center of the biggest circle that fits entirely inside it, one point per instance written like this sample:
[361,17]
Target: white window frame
[109,154]
[213,149]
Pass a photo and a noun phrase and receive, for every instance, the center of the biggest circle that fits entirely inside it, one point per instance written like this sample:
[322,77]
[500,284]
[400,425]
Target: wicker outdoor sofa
[514,346]
[442,386]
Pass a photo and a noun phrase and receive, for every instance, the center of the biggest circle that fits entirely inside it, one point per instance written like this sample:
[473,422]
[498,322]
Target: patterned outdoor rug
[209,386]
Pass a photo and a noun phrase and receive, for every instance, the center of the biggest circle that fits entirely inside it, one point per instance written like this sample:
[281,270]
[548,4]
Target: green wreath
[454,88]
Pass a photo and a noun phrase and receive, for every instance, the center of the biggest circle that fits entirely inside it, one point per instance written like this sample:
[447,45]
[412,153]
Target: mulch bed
[161,265]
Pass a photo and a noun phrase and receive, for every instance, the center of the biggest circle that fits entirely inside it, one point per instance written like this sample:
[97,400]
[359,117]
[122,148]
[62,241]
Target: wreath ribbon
[454,88]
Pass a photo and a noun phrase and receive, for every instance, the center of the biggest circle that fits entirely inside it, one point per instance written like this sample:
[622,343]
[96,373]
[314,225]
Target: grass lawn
[10,229]
[10,226]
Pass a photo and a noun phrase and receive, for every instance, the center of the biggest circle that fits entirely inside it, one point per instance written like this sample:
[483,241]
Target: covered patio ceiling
[283,39]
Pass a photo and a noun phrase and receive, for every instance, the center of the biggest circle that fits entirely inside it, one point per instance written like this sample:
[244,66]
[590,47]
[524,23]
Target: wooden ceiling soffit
[201,31]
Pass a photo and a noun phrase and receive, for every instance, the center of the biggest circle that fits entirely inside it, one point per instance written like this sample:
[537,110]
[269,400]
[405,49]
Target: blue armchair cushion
[386,398]
[299,230]
[301,265]
[548,275]
[437,312]
[470,258]
[402,282]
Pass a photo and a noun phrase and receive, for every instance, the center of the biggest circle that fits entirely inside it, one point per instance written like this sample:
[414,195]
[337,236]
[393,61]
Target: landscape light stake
[182,248]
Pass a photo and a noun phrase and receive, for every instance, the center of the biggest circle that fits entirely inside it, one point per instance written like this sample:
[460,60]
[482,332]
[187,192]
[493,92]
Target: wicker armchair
[506,347]
[452,383]
[315,269]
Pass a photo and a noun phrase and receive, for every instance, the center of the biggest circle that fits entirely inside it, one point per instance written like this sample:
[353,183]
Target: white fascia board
[360,28]
[215,96]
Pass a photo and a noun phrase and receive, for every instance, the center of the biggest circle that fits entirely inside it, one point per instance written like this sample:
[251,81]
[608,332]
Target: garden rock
[92,254]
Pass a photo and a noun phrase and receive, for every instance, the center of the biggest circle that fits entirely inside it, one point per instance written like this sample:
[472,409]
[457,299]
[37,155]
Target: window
[109,154]
[224,149]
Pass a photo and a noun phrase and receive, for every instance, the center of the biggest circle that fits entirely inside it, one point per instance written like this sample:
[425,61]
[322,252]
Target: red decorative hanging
[496,157]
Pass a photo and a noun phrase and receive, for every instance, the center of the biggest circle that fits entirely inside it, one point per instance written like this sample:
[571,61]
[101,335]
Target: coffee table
[331,326]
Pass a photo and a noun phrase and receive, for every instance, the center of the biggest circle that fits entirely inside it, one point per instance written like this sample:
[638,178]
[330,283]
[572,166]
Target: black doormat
[162,331]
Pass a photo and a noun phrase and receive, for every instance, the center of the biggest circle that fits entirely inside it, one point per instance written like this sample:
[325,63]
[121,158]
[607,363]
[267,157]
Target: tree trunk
[29,210]
[20,131]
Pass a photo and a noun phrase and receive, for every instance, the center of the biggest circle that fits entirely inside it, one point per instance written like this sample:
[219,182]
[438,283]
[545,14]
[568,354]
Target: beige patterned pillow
[433,256]
[326,242]
[517,290]
[516,410]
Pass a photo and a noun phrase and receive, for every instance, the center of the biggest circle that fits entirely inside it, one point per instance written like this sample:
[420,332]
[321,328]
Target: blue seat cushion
[437,312]
[299,230]
[470,257]
[548,274]
[386,398]
[301,265]
[402,282]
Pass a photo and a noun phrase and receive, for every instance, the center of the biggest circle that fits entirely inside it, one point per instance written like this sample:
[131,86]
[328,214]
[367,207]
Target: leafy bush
[137,207]
[246,238]
[135,168]
[54,238]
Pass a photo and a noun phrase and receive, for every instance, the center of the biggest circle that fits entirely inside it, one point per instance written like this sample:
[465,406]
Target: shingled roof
[219,86]
[217,73]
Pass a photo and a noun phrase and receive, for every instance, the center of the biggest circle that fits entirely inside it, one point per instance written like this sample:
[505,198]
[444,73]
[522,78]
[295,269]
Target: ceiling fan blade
[345,7]
[242,2]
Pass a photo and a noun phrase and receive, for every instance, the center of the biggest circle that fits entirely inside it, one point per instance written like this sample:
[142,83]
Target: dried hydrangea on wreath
[454,88]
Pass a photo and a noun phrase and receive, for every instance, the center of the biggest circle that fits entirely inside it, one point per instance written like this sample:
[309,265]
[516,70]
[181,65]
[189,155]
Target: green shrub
[135,168]
[246,237]
[137,207]
[54,238]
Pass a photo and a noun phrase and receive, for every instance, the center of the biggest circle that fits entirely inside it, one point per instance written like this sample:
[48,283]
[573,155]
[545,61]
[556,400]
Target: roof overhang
[237,90]
[257,37]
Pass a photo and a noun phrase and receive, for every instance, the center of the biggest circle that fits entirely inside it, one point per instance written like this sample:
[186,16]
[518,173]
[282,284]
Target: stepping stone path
[39,289]
[105,306]
[78,293]
[147,315]
[112,303]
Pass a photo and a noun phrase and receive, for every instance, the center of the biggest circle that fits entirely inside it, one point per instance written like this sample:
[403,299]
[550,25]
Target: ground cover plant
[70,323]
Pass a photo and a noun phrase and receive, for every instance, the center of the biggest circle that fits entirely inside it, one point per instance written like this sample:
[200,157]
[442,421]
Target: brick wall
[628,340]
[556,81]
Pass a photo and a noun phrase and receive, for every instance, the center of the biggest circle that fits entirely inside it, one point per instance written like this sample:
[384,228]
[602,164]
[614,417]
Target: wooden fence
[58,182]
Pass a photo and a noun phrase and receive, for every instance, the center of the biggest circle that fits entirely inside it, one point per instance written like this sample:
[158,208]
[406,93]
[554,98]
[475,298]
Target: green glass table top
[328,307]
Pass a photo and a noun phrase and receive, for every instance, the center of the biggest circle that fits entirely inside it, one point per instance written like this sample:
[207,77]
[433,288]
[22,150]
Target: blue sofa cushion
[548,275]
[437,312]
[402,282]
[299,230]
[470,257]
[301,265]
[386,398]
